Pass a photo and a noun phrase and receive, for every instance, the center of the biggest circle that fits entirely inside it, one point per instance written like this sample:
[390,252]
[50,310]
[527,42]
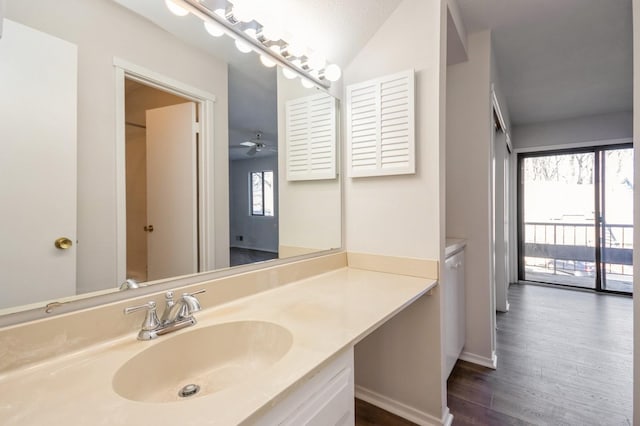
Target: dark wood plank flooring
[241,256]
[564,358]
[370,415]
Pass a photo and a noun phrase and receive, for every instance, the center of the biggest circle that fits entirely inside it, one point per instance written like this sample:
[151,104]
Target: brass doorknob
[63,243]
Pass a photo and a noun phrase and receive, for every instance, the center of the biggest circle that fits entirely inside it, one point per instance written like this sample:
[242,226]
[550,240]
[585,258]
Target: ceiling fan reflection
[256,145]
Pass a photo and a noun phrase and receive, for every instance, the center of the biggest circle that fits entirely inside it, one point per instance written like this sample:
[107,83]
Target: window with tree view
[261,184]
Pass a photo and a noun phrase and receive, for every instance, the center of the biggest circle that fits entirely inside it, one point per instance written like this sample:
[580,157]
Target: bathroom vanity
[273,357]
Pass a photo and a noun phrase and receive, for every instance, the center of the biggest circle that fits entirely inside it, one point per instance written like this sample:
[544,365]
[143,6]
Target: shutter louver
[311,138]
[380,116]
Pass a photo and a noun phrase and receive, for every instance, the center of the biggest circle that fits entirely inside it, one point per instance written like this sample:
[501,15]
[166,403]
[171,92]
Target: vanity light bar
[236,29]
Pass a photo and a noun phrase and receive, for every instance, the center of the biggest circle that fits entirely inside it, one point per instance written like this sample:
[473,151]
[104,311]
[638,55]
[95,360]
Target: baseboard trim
[447,419]
[480,360]
[399,409]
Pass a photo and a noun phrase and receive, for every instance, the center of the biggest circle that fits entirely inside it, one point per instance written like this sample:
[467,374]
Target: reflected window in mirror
[261,193]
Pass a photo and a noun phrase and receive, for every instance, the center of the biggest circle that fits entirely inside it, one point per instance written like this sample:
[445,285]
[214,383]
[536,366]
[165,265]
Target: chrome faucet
[129,284]
[177,315]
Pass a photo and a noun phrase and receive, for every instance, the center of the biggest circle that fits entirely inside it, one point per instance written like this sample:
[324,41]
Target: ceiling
[338,29]
[558,59]
[253,101]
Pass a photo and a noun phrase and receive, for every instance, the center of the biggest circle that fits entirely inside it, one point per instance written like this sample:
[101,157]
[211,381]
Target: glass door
[616,231]
[576,218]
[559,238]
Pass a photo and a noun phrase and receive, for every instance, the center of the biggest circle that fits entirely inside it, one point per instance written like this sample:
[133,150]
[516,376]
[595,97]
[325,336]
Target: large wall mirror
[139,147]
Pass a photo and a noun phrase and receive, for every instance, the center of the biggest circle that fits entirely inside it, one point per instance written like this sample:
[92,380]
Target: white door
[500,254]
[507,215]
[172,191]
[38,110]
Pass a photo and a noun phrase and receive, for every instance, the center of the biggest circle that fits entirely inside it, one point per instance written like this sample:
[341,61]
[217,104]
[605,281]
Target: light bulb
[175,9]
[213,28]
[317,61]
[333,72]
[275,49]
[251,32]
[267,62]
[307,83]
[271,33]
[241,12]
[289,74]
[243,46]
[295,48]
[221,13]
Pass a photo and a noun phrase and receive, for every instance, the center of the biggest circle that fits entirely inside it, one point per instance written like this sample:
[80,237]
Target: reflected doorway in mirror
[161,169]
[168,203]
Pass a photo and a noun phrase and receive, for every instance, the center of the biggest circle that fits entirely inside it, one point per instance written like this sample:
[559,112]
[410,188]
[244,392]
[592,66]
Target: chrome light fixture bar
[236,29]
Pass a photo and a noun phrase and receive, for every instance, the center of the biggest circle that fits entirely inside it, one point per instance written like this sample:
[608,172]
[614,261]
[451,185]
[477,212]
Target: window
[261,184]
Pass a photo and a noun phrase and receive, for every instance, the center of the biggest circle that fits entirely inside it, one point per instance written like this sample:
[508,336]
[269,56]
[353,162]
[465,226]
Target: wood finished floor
[370,415]
[241,256]
[564,358]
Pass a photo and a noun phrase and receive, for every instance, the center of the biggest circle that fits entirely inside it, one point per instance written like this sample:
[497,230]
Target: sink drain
[188,390]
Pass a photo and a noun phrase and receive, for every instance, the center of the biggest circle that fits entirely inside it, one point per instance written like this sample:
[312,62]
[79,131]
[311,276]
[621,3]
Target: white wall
[310,211]
[103,30]
[468,198]
[403,209]
[636,209]
[595,128]
[402,215]
[258,232]
[456,34]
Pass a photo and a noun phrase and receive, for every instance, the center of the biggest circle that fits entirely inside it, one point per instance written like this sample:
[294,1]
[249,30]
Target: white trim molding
[498,109]
[481,360]
[587,144]
[402,410]
[205,100]
[1,15]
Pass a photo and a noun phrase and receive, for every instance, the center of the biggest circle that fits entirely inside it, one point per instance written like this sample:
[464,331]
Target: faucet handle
[151,320]
[190,304]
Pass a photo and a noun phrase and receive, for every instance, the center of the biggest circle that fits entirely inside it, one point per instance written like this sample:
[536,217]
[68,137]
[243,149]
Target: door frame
[595,148]
[496,115]
[206,208]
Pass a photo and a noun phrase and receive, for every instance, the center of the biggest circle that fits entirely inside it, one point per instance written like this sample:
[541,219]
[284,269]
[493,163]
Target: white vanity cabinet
[327,398]
[454,307]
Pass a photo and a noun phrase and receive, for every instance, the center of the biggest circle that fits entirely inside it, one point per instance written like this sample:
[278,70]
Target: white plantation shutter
[381,126]
[311,137]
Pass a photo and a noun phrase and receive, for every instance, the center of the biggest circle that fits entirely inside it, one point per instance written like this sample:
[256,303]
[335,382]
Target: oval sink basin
[212,358]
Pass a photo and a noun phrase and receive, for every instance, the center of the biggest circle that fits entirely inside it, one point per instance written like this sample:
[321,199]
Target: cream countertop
[325,314]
